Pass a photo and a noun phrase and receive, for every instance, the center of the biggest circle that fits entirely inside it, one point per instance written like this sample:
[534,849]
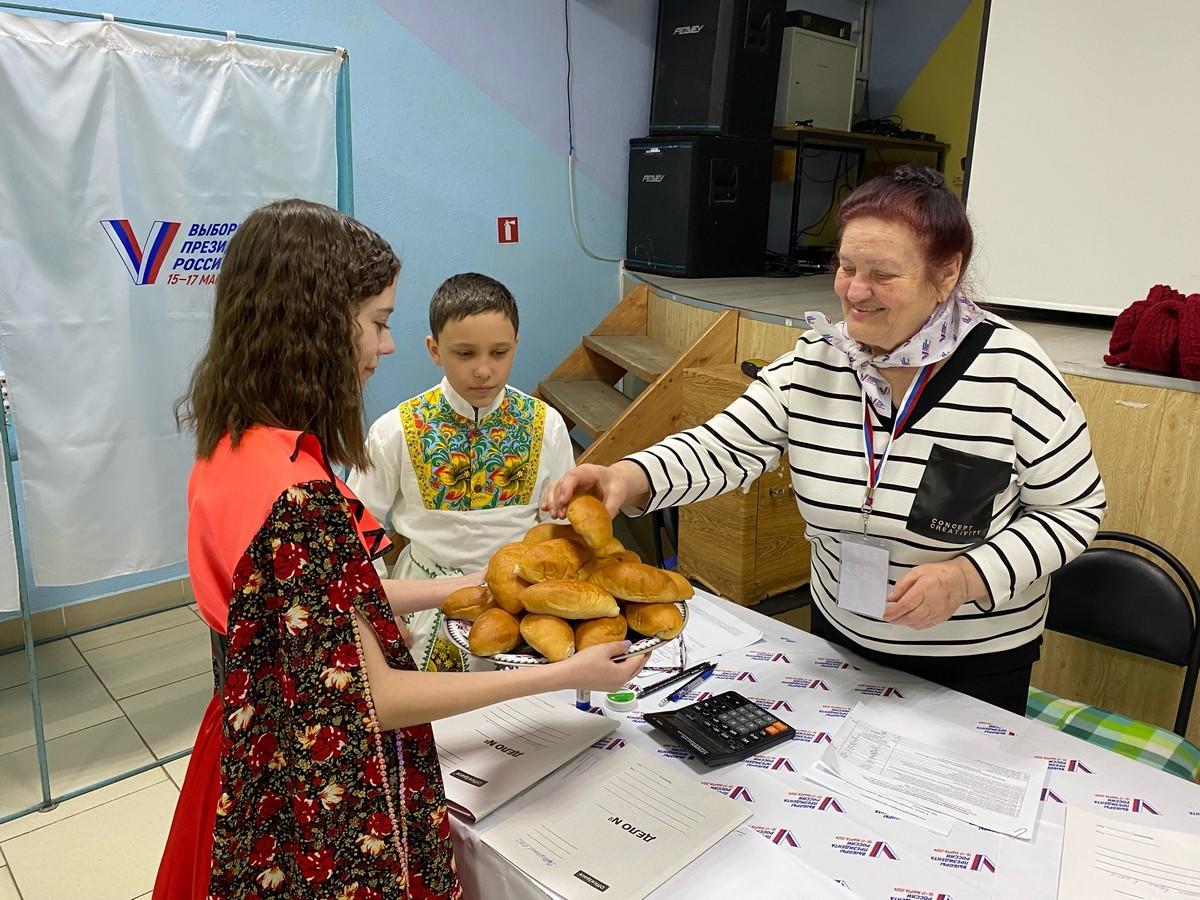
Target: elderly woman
[941,463]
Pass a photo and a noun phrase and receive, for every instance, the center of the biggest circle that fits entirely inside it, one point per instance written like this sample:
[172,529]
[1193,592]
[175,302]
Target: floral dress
[292,790]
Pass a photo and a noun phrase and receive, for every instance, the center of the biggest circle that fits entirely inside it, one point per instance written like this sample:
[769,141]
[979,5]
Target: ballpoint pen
[687,687]
[673,679]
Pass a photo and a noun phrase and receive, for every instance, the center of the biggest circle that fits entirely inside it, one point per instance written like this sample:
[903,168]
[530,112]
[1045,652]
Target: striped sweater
[995,462]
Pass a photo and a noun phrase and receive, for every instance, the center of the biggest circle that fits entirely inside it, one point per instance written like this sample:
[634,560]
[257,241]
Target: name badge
[863,583]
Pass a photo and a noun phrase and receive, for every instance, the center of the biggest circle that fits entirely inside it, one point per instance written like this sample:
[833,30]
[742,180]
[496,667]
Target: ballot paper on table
[490,755]
[900,807]
[920,760]
[778,874]
[710,632]
[1107,858]
[618,823]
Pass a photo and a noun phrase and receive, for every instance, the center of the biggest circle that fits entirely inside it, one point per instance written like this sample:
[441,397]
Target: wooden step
[591,405]
[636,353]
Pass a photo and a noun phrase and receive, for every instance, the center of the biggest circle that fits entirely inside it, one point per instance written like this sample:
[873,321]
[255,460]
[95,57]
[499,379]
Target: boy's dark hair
[283,349]
[469,294]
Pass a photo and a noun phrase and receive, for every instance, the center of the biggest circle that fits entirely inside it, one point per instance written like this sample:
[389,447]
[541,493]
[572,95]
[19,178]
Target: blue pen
[671,698]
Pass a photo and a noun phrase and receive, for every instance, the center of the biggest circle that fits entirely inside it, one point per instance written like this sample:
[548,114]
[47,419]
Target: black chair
[665,520]
[1114,597]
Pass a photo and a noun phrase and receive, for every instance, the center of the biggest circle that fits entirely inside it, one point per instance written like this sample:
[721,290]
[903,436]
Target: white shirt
[454,538]
[996,465]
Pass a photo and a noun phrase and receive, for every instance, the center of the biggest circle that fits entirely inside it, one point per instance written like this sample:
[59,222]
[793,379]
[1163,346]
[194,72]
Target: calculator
[723,729]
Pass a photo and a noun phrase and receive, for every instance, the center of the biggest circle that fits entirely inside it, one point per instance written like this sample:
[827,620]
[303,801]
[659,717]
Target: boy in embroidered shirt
[459,469]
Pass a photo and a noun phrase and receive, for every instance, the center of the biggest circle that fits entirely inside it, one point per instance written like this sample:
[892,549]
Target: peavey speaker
[698,206]
[716,67]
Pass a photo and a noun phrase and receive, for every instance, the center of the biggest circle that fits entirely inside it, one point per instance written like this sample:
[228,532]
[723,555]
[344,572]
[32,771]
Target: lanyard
[903,414]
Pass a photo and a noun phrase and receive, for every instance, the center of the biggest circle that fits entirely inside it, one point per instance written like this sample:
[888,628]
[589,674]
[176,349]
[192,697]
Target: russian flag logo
[881,849]
[142,264]
[980,863]
[783,836]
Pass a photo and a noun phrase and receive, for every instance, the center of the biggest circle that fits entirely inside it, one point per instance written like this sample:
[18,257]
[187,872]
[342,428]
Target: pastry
[590,520]
[660,620]
[612,548]
[569,599]
[637,582]
[548,635]
[683,587]
[553,560]
[502,579]
[469,602]
[548,531]
[495,631]
[600,631]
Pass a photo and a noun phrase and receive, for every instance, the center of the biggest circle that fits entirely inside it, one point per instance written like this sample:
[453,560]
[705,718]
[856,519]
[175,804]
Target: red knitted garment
[1147,335]
[1189,338]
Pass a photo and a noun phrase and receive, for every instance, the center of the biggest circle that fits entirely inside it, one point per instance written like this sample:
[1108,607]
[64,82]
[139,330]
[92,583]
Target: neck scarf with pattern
[934,341]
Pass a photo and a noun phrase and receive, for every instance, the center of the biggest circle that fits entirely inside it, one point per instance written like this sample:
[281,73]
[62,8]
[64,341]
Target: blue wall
[459,116]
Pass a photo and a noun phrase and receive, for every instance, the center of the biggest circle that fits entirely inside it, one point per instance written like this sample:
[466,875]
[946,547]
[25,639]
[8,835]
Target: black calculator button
[722,729]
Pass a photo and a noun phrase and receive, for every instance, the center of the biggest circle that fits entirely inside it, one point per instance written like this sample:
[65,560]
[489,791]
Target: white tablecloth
[812,684]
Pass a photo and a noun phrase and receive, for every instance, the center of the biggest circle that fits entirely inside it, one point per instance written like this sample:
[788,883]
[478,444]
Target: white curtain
[9,586]
[128,158]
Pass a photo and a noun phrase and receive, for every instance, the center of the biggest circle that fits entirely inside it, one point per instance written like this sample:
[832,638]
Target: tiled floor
[112,700]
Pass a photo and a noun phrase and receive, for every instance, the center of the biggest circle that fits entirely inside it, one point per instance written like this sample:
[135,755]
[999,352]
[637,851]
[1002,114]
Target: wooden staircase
[653,340]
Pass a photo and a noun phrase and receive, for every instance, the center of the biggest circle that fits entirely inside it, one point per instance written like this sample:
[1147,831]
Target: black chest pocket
[954,500]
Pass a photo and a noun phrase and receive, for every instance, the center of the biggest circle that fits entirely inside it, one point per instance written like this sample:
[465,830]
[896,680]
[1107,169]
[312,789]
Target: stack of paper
[616,823]
[492,754]
[930,772]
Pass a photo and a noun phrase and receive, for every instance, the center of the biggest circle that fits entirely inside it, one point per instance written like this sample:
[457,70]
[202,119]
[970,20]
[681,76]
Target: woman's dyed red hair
[917,197]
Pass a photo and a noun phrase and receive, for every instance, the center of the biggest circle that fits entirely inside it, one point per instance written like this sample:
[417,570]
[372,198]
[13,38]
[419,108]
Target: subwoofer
[716,67]
[698,206]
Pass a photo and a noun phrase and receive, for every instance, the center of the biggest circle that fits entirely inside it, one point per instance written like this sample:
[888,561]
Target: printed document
[876,750]
[490,755]
[1107,858]
[618,824]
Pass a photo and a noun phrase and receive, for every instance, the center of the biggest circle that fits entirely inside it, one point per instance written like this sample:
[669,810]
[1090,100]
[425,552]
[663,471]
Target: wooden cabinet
[745,546]
[1147,445]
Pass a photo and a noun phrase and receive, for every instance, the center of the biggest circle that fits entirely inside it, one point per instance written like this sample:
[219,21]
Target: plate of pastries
[565,587]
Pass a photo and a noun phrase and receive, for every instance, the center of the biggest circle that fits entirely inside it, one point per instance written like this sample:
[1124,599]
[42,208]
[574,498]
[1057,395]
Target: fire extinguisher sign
[506,230]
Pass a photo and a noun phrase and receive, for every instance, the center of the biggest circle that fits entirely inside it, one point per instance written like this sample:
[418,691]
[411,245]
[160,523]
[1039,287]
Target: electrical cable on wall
[571,146]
